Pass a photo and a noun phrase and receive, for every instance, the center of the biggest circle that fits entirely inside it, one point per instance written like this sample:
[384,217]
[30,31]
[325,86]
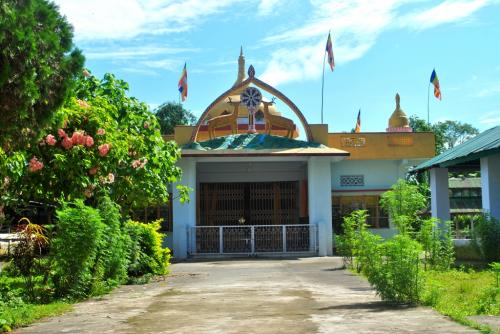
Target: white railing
[252,239]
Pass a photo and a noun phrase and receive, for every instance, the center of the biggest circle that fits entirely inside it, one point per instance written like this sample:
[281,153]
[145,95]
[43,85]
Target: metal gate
[253,239]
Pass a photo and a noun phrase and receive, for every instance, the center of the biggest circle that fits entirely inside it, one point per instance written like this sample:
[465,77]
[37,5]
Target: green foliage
[448,133]
[486,237]
[399,277]
[16,313]
[392,267]
[170,114]
[146,252]
[359,247]
[37,67]
[111,264]
[437,244]
[403,203]
[460,294]
[90,252]
[27,250]
[495,268]
[75,249]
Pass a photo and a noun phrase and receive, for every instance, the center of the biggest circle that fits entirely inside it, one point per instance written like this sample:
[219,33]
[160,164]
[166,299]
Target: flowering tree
[100,142]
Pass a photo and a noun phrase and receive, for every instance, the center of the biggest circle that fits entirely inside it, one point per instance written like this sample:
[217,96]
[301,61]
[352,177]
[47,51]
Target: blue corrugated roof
[485,143]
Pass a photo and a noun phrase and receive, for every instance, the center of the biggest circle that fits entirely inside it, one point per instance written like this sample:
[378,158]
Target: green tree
[448,133]
[170,114]
[403,203]
[37,66]
[455,133]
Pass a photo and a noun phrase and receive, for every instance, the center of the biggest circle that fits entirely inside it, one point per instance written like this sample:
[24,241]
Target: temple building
[258,189]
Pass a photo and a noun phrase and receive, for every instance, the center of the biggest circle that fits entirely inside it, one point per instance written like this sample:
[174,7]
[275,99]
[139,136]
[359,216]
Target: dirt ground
[305,295]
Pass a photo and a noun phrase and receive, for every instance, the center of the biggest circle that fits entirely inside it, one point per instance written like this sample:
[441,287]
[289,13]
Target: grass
[460,294]
[25,314]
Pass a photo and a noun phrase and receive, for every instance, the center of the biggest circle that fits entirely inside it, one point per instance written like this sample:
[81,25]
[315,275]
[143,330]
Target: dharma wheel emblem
[251,98]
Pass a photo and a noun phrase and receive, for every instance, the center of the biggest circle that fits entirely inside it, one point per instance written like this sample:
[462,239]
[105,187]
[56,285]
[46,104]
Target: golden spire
[398,118]
[241,68]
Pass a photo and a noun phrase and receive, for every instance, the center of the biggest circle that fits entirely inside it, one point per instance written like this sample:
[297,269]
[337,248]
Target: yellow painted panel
[384,145]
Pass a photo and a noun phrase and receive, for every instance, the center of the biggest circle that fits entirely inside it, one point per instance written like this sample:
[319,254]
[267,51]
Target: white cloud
[356,26]
[164,64]
[489,90]
[144,51]
[125,19]
[446,12]
[490,118]
[266,7]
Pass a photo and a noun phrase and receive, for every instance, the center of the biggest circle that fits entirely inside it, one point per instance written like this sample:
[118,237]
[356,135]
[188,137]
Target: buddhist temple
[259,190]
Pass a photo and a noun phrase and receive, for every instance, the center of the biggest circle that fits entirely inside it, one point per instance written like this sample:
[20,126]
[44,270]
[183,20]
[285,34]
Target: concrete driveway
[307,295]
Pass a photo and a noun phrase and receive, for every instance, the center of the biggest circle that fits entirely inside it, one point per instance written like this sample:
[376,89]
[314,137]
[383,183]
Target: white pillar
[440,198]
[319,182]
[184,214]
[490,184]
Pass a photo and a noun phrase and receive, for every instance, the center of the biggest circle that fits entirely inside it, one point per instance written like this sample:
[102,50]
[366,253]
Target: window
[352,180]
[344,205]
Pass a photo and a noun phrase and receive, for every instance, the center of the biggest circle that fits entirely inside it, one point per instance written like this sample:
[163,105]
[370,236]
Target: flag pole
[428,104]
[323,86]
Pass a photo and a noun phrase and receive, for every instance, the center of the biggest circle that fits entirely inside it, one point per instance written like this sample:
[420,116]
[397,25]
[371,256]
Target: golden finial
[241,68]
[398,99]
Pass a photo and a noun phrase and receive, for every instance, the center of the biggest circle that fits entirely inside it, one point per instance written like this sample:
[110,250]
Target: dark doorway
[256,203]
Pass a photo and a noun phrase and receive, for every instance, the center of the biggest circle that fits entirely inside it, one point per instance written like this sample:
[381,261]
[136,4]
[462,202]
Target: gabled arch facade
[262,85]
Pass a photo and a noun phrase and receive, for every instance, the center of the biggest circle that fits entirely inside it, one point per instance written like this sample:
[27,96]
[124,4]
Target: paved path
[310,295]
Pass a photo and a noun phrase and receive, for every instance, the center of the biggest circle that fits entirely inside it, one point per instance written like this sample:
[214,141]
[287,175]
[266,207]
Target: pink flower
[144,162]
[89,141]
[35,165]
[61,133]
[67,143]
[146,125]
[50,139]
[78,138]
[93,171]
[104,149]
[83,104]
[111,178]
[136,163]
[101,132]
[86,73]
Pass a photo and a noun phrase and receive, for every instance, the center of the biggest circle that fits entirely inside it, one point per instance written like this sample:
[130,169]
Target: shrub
[147,256]
[403,202]
[399,278]
[75,249]
[486,237]
[24,258]
[437,244]
[110,268]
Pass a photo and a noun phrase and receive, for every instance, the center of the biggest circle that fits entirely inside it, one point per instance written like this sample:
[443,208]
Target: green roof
[484,144]
[250,141]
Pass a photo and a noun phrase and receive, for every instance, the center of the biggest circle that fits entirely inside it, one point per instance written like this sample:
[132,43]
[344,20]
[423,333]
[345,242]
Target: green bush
[75,248]
[486,237]
[147,256]
[437,244]
[399,277]
[111,264]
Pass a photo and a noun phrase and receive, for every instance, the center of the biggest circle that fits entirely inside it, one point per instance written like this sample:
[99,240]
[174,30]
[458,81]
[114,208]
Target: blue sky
[380,47]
